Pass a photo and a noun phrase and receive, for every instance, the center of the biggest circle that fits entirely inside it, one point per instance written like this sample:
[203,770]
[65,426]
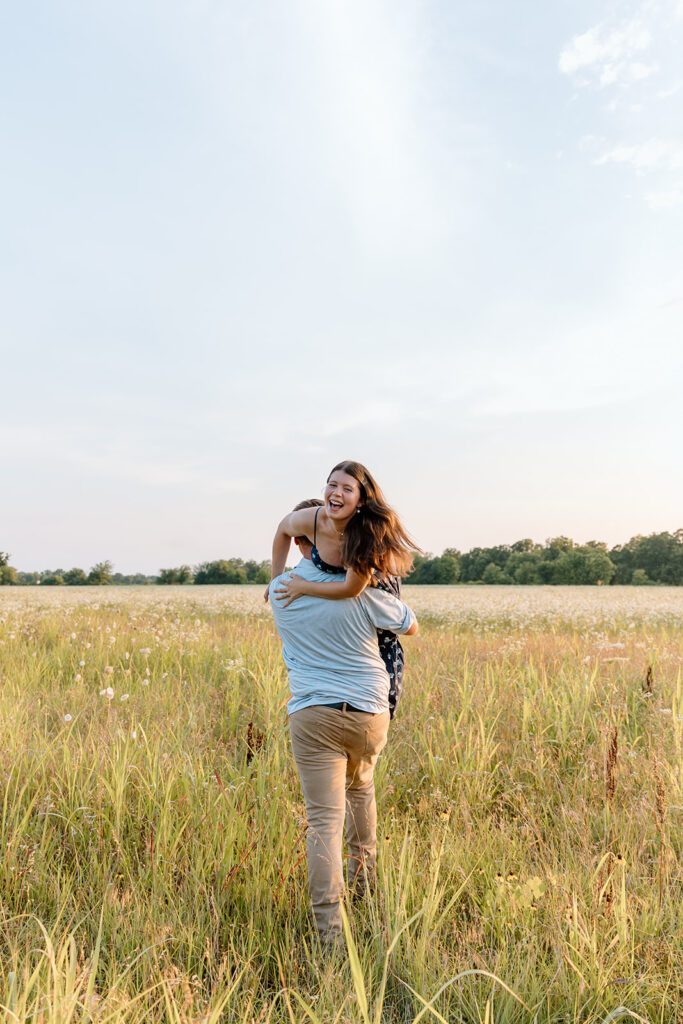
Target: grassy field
[153,830]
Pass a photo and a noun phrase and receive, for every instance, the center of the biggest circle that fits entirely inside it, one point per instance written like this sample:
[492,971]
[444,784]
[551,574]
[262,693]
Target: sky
[242,242]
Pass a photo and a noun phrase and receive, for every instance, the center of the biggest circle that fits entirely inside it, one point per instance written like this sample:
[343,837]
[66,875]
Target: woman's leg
[317,734]
[366,737]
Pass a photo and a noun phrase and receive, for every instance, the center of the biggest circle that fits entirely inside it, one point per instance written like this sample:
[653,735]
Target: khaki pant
[335,753]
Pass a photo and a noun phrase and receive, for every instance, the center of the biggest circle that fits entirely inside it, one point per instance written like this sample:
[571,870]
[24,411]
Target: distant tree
[181,575]
[8,574]
[4,558]
[523,566]
[101,574]
[120,579]
[474,563]
[418,562]
[523,547]
[75,578]
[555,547]
[583,565]
[257,572]
[443,569]
[223,571]
[494,574]
[52,579]
[640,578]
[661,556]
[28,579]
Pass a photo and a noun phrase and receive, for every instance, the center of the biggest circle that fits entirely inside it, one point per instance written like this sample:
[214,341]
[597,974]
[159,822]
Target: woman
[356,533]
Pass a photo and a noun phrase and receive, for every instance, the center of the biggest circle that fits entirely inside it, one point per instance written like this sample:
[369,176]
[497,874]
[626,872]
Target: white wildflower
[124,696]
[68,718]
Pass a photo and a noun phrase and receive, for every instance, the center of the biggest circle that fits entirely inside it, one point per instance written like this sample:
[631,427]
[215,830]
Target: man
[339,720]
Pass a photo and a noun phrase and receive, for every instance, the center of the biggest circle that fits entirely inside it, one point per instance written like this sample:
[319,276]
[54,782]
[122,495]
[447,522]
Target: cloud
[623,71]
[655,154]
[607,55]
[664,200]
[671,90]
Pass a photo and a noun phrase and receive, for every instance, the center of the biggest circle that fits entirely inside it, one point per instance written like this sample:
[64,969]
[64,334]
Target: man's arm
[388,612]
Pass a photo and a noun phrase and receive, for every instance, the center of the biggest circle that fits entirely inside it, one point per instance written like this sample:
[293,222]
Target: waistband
[342,705]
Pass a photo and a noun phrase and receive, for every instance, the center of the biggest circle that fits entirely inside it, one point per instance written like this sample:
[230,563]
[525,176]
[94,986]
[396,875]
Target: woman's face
[342,495]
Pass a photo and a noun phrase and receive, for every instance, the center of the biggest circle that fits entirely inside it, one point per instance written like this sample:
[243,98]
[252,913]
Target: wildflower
[124,696]
[73,636]
[145,650]
[145,682]
[134,734]
[78,678]
[68,718]
[81,663]
[108,670]
[126,655]
[108,692]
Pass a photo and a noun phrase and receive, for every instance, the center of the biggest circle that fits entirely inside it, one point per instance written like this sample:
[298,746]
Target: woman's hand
[289,589]
[266,593]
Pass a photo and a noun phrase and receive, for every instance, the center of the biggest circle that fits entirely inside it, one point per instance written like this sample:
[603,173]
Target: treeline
[231,570]
[655,559]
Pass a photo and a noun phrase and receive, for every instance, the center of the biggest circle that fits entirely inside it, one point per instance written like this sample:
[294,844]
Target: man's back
[330,647]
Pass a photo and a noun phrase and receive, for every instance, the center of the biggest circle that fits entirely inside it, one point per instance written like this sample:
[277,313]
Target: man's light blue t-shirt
[330,647]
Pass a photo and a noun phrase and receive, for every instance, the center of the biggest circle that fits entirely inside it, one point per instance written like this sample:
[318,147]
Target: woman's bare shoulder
[301,521]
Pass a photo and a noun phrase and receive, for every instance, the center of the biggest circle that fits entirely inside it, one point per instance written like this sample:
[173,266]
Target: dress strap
[315,525]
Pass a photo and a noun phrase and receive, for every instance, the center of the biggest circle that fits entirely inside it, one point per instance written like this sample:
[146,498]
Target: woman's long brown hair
[374,539]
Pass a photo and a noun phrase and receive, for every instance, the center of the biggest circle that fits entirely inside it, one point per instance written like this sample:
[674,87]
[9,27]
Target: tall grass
[153,830]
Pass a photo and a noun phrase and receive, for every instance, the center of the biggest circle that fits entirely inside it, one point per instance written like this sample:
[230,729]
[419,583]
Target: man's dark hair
[307,503]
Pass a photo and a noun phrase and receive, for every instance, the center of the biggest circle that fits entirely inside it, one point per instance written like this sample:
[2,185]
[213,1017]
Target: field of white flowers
[153,830]
[450,603]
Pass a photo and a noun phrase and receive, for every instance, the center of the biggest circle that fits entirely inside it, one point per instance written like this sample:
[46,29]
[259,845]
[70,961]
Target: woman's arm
[295,524]
[294,587]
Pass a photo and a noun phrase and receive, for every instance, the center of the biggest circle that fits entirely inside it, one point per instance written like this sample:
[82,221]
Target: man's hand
[289,589]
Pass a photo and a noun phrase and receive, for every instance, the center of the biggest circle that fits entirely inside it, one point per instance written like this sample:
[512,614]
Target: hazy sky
[241,242]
